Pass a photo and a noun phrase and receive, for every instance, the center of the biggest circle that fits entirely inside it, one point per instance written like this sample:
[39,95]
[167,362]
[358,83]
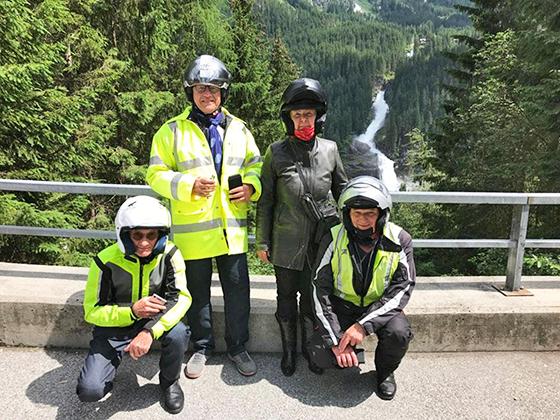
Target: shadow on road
[133,388]
[336,387]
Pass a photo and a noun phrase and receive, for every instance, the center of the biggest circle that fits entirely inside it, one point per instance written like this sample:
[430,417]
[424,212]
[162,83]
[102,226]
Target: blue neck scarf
[216,141]
[210,128]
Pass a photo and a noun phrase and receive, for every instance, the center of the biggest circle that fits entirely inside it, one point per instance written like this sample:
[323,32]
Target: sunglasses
[138,236]
[202,88]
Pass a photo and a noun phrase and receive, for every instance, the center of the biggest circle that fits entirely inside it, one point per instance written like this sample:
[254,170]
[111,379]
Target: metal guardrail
[516,243]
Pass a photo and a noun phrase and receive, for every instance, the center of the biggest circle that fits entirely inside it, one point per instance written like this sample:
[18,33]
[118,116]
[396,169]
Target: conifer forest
[472,88]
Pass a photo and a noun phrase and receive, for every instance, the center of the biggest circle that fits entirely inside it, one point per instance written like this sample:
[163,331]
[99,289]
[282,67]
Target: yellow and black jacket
[116,281]
[371,299]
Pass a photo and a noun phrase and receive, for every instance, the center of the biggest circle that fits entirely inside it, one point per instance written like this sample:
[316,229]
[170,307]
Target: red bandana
[305,134]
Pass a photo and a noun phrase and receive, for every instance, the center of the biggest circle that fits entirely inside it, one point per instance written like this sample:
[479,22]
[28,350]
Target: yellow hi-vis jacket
[116,281]
[204,227]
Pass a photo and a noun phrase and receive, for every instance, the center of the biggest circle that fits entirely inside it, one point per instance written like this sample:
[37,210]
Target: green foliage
[86,84]
[542,264]
[348,53]
[256,266]
[489,262]
[418,12]
[19,248]
[500,131]
[419,160]
[416,94]
[260,69]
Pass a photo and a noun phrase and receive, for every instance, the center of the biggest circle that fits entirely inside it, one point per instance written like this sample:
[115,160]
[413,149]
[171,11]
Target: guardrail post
[518,234]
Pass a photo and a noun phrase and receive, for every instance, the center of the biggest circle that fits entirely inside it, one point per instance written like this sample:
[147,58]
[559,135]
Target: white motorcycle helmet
[142,212]
[364,192]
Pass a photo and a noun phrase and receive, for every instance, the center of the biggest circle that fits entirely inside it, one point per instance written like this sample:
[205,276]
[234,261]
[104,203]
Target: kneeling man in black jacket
[364,277]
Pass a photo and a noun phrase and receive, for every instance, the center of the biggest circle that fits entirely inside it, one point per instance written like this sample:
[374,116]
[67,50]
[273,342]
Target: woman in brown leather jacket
[301,165]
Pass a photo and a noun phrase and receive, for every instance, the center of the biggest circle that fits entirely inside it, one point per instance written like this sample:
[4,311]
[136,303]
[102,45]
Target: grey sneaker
[244,364]
[195,365]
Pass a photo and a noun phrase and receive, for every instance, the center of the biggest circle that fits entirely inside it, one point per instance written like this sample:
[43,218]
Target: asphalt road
[39,384]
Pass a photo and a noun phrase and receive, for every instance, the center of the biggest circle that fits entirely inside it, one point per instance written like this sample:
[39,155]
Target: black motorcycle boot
[386,387]
[307,328]
[288,332]
[173,397]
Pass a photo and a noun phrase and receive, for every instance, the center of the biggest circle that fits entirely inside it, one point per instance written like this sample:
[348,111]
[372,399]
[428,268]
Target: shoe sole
[192,376]
[169,410]
[240,371]
[385,398]
[176,411]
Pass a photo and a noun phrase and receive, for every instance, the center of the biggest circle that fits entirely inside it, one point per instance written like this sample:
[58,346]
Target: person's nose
[304,122]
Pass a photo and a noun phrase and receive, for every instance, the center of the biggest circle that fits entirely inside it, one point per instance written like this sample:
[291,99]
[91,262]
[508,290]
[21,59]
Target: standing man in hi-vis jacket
[364,277]
[206,162]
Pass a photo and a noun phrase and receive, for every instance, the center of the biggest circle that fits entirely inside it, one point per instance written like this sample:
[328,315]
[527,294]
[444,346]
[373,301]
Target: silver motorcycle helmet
[365,192]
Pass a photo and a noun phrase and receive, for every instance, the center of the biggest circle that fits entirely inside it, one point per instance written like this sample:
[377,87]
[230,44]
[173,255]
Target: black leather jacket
[283,228]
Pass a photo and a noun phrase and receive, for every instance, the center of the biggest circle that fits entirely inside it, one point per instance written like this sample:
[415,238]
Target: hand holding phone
[148,306]
[159,298]
[234,181]
[238,192]
[361,355]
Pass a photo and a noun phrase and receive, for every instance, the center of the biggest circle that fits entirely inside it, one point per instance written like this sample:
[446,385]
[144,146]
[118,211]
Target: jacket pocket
[190,209]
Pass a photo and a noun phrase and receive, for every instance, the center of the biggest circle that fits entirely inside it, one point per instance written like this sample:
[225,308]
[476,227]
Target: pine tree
[259,73]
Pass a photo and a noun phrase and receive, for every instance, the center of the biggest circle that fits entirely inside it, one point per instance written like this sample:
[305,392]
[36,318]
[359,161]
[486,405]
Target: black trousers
[393,339]
[106,352]
[288,284]
[234,278]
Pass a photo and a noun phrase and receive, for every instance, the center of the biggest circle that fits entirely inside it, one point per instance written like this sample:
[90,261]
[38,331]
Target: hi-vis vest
[384,267]
[204,227]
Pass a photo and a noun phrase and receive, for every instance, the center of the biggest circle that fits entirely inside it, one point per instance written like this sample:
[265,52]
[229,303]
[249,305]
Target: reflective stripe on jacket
[180,153]
[115,282]
[383,268]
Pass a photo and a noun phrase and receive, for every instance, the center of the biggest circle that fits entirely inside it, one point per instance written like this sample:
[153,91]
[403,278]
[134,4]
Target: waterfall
[386,166]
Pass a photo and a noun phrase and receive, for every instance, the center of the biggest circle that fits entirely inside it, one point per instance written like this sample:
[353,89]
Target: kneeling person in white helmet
[136,293]
[364,277]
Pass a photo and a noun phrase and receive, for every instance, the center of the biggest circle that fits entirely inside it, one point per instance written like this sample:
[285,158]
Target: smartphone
[234,181]
[361,355]
[158,297]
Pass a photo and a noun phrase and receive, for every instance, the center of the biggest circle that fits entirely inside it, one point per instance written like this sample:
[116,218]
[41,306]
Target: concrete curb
[40,306]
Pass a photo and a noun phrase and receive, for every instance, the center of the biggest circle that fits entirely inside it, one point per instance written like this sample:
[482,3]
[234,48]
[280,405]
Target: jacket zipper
[370,268]
[140,285]
[359,270]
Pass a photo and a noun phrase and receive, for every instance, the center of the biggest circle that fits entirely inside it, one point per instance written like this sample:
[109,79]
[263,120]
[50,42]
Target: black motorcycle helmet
[207,70]
[301,94]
